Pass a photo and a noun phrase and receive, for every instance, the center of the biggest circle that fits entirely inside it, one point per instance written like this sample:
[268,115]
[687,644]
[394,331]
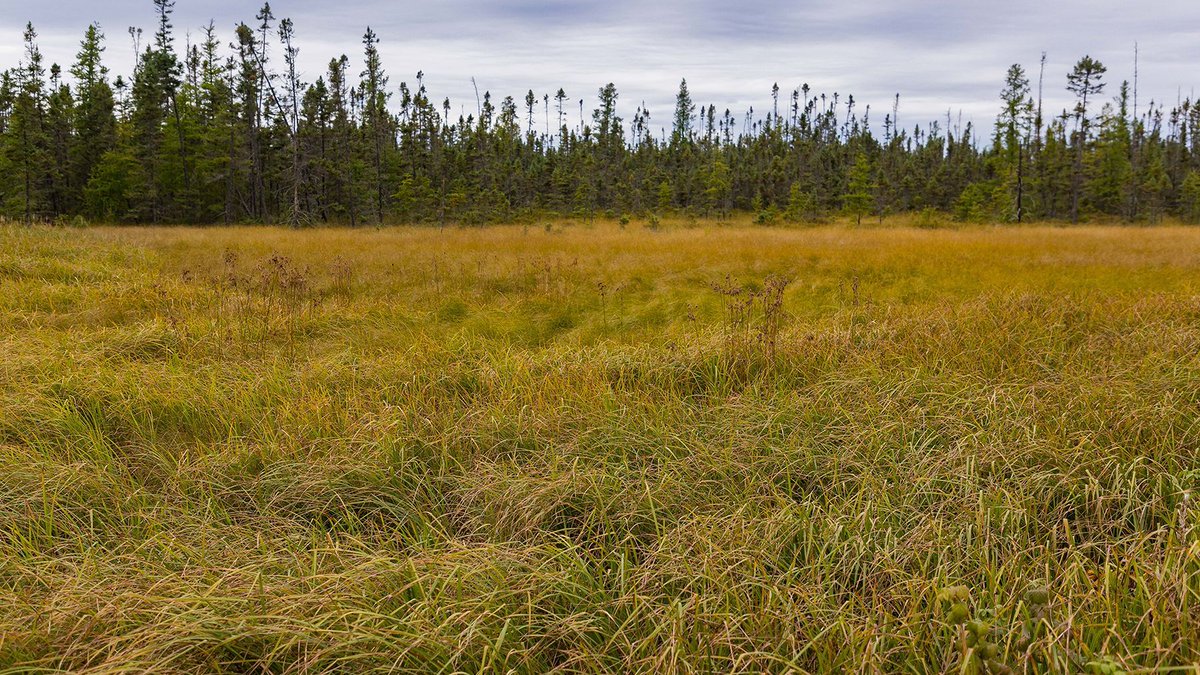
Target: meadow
[600,448]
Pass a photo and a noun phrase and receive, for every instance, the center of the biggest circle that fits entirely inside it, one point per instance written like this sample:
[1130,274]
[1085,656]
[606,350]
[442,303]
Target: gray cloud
[938,56]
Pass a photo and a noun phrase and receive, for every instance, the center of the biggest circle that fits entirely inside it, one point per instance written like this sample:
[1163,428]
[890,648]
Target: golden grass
[540,449]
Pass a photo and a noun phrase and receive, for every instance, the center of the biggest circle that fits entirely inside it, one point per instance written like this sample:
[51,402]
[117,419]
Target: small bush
[768,216]
[929,218]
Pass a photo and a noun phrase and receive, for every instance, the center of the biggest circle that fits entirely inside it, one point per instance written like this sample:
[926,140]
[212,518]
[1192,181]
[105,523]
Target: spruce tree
[376,123]
[685,113]
[63,196]
[1189,197]
[859,195]
[1086,81]
[95,122]
[26,143]
[1012,129]
[291,110]
[1111,170]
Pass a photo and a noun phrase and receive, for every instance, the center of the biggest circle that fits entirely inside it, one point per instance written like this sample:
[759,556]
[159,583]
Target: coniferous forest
[225,131]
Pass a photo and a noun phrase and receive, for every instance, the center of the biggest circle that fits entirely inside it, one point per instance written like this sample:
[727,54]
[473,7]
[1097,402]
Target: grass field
[592,449]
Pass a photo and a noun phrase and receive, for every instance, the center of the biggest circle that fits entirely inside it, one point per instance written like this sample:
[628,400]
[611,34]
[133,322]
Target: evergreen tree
[248,154]
[685,113]
[1012,129]
[376,123]
[346,167]
[1153,182]
[63,197]
[859,195]
[1111,171]
[291,111]
[26,142]
[1086,81]
[1189,197]
[718,188]
[155,82]
[609,145]
[94,118]
[212,123]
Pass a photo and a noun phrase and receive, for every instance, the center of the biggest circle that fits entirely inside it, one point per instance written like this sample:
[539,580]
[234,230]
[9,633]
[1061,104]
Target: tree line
[228,133]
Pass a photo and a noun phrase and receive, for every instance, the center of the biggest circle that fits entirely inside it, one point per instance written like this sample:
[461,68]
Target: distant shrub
[767,216]
[929,218]
[802,206]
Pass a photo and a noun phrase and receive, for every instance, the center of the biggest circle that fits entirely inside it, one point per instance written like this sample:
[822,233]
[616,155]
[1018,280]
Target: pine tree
[609,146]
[1152,181]
[291,110]
[1189,197]
[718,188]
[26,143]
[248,153]
[1012,129]
[1085,81]
[215,130]
[95,122]
[376,122]
[859,195]
[63,197]
[7,96]
[685,113]
[1056,170]
[801,206]
[345,163]
[1111,170]
[155,83]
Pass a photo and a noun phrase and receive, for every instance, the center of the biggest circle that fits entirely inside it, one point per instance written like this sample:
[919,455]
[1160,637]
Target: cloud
[938,56]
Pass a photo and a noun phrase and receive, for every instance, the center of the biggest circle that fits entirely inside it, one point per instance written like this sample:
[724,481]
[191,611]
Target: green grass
[514,450]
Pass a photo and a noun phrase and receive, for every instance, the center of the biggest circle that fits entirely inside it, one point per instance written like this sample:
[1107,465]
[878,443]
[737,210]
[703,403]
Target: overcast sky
[937,55]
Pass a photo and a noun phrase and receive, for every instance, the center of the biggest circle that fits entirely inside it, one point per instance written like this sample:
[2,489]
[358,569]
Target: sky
[940,57]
